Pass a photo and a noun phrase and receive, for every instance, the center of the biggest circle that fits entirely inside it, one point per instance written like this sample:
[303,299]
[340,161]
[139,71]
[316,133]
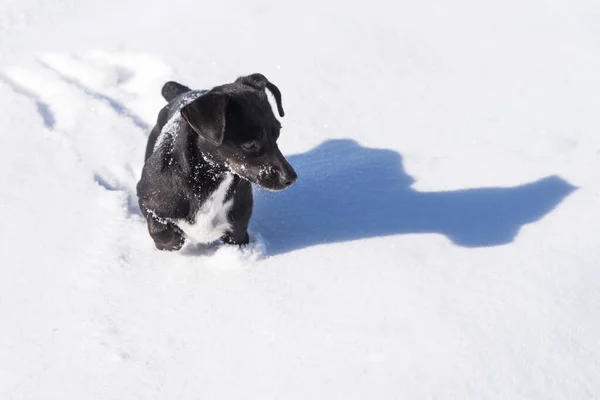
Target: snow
[441,240]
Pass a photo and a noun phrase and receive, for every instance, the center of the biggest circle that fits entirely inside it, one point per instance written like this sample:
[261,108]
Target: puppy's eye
[251,146]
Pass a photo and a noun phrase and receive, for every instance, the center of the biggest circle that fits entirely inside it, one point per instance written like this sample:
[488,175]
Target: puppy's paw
[240,240]
[170,246]
[169,240]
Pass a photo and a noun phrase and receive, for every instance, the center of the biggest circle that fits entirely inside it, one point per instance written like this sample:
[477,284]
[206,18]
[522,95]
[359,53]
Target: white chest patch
[210,222]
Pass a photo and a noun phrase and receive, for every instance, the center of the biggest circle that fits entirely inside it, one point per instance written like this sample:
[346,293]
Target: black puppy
[203,154]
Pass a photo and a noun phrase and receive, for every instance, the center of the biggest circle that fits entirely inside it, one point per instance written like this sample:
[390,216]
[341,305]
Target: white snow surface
[442,240]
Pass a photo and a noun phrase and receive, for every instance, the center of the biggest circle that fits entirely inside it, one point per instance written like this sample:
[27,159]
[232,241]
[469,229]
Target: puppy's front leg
[166,236]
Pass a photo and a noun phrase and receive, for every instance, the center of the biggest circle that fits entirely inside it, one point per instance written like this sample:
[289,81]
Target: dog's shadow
[346,192]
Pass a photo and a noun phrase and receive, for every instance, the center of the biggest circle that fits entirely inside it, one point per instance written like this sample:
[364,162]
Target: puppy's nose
[289,178]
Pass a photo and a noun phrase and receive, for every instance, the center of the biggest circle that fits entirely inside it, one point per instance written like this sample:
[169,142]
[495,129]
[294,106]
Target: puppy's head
[235,125]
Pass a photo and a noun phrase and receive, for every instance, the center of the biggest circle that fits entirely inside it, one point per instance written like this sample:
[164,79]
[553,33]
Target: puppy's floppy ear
[259,81]
[206,115]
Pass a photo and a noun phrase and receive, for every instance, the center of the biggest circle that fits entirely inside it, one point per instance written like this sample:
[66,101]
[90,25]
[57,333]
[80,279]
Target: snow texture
[441,241]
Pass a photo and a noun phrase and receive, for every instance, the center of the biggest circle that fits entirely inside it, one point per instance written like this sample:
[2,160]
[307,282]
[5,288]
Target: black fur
[229,129]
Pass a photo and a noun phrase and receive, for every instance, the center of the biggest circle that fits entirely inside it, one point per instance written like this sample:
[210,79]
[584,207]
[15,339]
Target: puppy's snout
[277,174]
[288,178]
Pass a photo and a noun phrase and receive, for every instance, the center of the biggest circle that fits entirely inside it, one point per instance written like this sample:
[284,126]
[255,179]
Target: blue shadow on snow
[347,192]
